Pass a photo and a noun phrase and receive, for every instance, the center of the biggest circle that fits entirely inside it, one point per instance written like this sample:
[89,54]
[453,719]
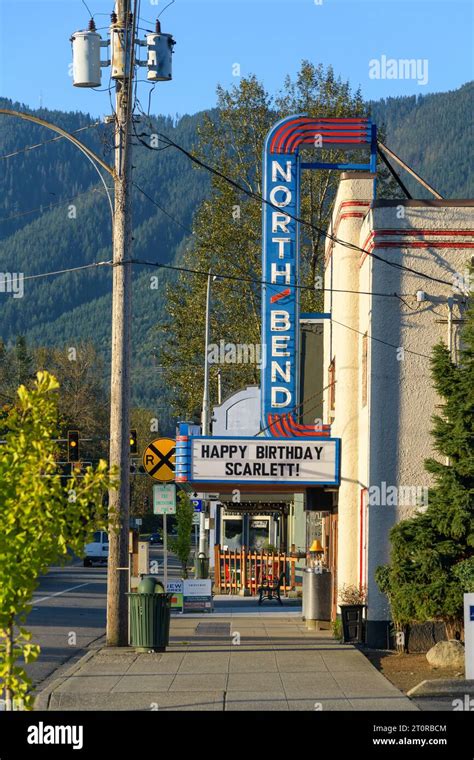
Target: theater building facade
[331,445]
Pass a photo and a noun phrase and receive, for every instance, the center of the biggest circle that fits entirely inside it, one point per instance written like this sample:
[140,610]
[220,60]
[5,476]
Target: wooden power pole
[122,47]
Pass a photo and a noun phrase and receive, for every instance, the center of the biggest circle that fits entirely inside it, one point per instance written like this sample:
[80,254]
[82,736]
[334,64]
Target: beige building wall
[342,347]
[385,432]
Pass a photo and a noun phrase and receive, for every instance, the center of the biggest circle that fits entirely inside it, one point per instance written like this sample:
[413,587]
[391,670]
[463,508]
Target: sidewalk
[223,662]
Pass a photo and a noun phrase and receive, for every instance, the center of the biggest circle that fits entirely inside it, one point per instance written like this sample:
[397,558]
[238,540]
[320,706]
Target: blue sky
[266,37]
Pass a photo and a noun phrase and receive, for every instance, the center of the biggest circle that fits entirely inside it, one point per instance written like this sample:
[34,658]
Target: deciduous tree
[41,521]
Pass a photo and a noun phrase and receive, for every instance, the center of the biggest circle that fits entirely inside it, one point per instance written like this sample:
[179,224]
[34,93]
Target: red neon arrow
[280,295]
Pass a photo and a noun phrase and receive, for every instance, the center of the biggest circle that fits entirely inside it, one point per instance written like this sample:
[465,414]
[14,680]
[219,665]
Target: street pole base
[244,592]
[318,625]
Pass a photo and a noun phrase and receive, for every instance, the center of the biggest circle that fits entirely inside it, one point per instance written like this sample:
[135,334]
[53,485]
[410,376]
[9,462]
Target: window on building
[232,532]
[364,369]
[332,387]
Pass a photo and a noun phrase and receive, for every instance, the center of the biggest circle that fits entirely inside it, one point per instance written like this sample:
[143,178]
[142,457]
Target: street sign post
[159,459]
[164,503]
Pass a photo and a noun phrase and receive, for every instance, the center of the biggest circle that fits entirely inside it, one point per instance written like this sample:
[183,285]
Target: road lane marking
[58,593]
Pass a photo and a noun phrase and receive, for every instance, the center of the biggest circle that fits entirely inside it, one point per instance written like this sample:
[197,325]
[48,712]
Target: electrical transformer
[160,50]
[86,59]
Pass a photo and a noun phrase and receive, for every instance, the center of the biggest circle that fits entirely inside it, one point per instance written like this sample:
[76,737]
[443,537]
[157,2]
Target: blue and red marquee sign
[300,456]
[281,255]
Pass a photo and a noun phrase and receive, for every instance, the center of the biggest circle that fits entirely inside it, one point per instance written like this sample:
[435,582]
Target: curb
[43,698]
[442,687]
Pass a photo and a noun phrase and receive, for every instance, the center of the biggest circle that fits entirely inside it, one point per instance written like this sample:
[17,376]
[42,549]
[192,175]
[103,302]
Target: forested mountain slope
[54,215]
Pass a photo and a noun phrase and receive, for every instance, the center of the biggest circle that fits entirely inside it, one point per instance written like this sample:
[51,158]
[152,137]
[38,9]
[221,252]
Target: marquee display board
[260,460]
[281,256]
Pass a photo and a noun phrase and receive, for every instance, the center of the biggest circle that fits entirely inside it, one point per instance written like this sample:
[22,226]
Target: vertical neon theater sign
[281,255]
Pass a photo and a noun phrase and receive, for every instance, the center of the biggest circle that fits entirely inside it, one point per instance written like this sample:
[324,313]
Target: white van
[97,550]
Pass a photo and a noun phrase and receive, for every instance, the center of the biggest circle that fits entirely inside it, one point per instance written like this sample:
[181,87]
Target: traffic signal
[72,445]
[133,442]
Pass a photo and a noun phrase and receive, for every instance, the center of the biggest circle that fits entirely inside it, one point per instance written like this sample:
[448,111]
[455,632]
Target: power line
[144,262]
[47,206]
[163,210]
[300,220]
[71,269]
[235,277]
[45,142]
[176,221]
[166,6]
[379,340]
[136,261]
[334,290]
[87,8]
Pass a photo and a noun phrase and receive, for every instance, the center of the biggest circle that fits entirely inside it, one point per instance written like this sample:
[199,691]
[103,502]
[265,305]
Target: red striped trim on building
[346,215]
[372,242]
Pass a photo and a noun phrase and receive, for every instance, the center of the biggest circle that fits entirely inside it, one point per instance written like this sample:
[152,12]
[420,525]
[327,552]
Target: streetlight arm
[89,154]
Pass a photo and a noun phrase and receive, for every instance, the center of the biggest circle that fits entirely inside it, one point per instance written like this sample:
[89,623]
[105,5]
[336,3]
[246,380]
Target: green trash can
[149,584]
[201,566]
[149,617]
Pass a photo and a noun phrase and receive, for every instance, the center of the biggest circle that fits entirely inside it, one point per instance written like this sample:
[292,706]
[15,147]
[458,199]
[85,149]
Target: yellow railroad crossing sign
[159,459]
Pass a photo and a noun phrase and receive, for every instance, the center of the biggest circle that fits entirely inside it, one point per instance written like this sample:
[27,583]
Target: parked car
[98,550]
[155,538]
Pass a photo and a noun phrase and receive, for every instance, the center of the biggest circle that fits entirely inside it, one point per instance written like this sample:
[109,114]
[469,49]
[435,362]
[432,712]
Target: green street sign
[164,499]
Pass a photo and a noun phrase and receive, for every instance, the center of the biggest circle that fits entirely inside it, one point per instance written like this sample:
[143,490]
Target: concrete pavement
[241,662]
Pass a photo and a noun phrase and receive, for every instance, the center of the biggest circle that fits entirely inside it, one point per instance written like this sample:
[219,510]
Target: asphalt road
[69,612]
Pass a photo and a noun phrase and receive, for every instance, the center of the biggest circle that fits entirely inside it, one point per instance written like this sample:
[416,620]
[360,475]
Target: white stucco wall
[342,344]
[388,439]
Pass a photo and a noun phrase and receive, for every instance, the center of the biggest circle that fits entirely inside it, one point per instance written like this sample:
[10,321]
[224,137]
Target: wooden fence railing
[244,568]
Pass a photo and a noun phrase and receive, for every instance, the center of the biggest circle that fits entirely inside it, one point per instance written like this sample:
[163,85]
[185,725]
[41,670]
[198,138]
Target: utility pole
[122,42]
[86,46]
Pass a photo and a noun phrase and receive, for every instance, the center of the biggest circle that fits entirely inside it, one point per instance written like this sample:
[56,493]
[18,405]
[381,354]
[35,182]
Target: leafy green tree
[82,398]
[181,545]
[432,559]
[40,520]
[227,228]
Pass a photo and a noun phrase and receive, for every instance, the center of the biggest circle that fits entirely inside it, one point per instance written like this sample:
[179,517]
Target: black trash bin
[149,620]
[353,623]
